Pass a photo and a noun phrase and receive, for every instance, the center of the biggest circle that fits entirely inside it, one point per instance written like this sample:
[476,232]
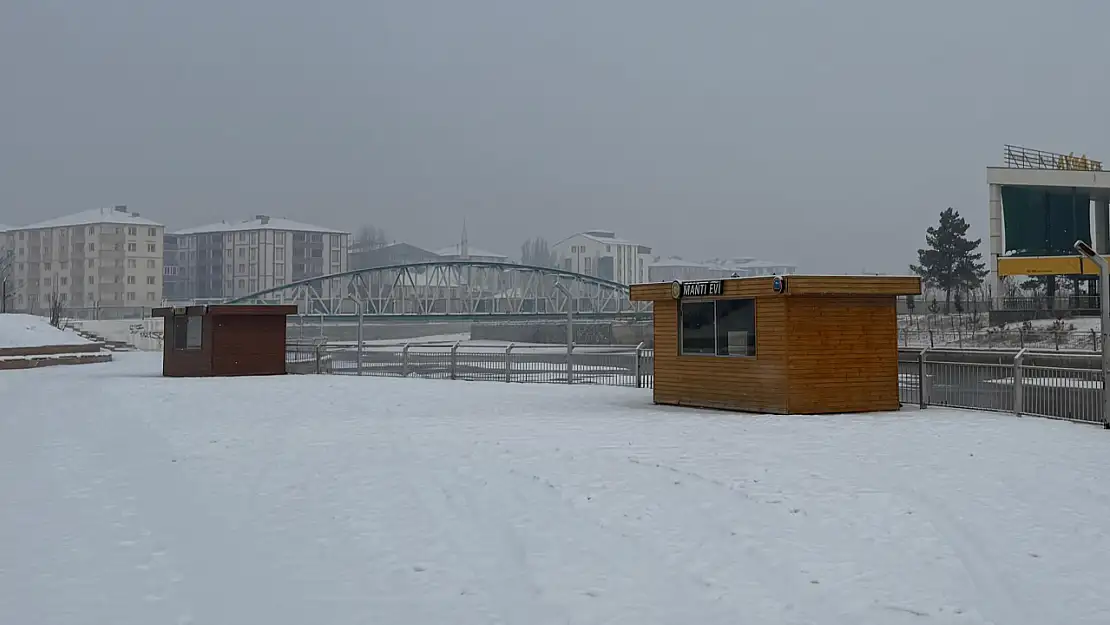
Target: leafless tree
[57,307]
[7,265]
[370,238]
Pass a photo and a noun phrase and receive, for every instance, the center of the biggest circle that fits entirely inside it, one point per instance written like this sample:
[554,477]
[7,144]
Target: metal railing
[1012,338]
[1053,385]
[1028,158]
[609,366]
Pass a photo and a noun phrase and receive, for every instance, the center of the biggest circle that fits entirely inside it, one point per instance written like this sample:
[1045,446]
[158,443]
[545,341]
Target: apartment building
[100,258]
[601,254]
[226,260]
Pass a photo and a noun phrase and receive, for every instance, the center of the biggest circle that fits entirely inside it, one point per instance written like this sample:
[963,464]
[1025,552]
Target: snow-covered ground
[17,330]
[128,498]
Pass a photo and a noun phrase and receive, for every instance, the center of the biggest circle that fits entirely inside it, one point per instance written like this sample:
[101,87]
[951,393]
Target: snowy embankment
[18,330]
[329,499]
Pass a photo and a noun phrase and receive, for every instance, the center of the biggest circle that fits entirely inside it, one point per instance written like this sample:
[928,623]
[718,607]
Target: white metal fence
[610,366]
[1052,385]
[1055,385]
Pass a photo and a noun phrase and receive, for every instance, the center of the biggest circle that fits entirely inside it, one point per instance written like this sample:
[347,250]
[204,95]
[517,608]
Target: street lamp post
[1104,313]
[570,330]
[358,350]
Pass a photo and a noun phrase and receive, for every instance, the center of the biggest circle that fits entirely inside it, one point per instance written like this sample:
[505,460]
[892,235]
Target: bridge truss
[450,288]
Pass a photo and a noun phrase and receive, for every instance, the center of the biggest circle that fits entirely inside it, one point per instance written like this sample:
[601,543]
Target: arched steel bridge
[455,288]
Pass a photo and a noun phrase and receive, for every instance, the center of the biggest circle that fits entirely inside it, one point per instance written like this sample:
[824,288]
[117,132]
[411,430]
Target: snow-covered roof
[260,222]
[472,252]
[601,236]
[116,215]
[679,262]
[4,228]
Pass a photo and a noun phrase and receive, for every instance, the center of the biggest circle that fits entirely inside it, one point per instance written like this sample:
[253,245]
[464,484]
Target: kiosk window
[720,327]
[736,327]
[188,332]
[697,328]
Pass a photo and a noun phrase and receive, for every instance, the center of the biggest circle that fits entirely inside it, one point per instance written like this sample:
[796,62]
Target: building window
[130,296]
[151,280]
[279,253]
[132,231]
[280,238]
[721,327]
[254,285]
[92,263]
[188,332]
[150,296]
[92,247]
[130,263]
[152,232]
[46,266]
[150,264]
[254,253]
[130,279]
[90,279]
[131,247]
[335,256]
[254,238]
[152,247]
[64,280]
[316,238]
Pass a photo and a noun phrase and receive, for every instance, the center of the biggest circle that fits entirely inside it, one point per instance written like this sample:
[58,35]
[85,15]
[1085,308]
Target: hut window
[721,327]
[698,334]
[735,327]
[188,332]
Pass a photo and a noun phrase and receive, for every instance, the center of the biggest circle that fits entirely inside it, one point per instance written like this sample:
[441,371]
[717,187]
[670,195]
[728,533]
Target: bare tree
[7,266]
[57,308]
[370,238]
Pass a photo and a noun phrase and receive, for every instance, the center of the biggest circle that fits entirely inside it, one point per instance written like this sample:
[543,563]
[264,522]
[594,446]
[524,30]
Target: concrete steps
[51,355]
[112,346]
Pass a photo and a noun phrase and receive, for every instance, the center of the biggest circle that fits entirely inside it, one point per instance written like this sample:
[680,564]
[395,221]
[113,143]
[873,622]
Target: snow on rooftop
[17,330]
[432,501]
[4,228]
[261,222]
[110,215]
[472,252]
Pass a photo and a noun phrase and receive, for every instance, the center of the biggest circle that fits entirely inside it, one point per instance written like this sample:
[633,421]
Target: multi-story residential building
[600,253]
[102,258]
[175,284]
[225,260]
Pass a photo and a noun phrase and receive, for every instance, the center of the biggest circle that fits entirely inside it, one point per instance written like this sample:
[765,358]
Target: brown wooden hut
[785,345]
[205,341]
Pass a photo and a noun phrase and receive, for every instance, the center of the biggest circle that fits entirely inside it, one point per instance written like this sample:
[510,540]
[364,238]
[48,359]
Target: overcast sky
[825,133]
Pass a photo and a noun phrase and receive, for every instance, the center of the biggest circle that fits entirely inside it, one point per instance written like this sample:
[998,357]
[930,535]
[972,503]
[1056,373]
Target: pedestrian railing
[610,366]
[1057,385]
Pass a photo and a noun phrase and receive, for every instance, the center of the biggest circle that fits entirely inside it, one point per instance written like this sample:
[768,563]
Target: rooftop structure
[113,215]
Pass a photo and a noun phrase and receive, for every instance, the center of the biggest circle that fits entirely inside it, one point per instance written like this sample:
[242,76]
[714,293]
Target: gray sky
[826,133]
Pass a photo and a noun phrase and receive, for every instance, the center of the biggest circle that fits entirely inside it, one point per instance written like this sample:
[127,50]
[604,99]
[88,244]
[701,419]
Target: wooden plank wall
[249,345]
[843,354]
[751,384]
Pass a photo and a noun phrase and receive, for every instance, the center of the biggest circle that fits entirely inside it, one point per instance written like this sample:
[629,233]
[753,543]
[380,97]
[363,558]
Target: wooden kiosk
[786,345]
[205,341]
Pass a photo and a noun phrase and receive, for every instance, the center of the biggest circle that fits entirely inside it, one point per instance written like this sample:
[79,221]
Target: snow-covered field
[17,330]
[128,498]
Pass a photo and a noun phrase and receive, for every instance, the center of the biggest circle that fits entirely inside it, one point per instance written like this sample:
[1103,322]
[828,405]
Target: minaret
[464,250]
